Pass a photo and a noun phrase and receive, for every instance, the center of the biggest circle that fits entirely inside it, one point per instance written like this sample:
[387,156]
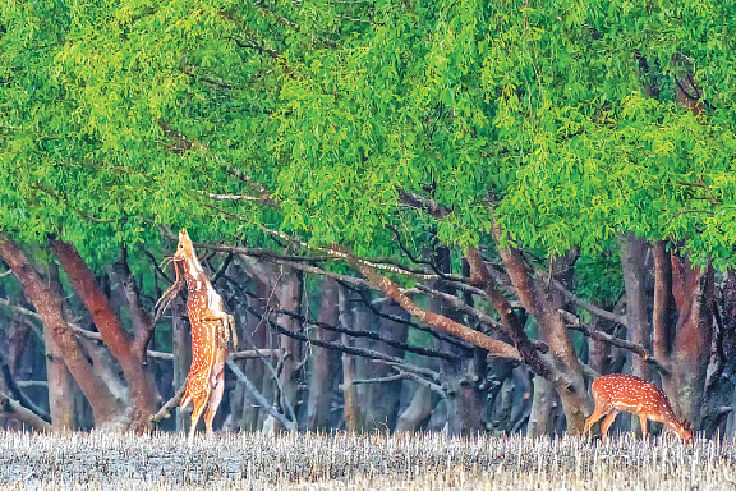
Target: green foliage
[117,117]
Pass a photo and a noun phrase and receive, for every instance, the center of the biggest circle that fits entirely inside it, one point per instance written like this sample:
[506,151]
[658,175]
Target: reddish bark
[692,289]
[494,346]
[119,343]
[48,304]
[567,374]
[687,92]
[510,324]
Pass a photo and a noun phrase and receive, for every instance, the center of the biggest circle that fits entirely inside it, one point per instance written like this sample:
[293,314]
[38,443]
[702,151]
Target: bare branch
[495,347]
[359,333]
[12,408]
[377,380]
[367,353]
[256,353]
[172,403]
[607,338]
[423,382]
[18,394]
[289,425]
[571,297]
[435,333]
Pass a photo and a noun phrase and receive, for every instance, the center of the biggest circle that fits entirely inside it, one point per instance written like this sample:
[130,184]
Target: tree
[526,136]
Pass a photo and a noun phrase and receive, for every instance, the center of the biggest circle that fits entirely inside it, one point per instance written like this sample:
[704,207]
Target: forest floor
[404,461]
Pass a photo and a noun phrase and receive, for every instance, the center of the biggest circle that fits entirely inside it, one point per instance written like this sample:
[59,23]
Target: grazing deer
[211,327]
[614,393]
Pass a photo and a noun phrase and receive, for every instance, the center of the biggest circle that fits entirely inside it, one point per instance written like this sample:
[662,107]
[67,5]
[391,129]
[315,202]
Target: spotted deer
[211,327]
[614,393]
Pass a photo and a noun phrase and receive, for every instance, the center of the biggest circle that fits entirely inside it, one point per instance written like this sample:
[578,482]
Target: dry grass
[253,460]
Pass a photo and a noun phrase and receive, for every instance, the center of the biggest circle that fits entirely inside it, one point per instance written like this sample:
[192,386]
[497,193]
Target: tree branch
[172,403]
[495,347]
[19,395]
[289,425]
[372,335]
[11,407]
[607,338]
[367,353]
[509,322]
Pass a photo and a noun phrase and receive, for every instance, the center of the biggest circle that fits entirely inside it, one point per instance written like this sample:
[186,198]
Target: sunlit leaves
[120,116]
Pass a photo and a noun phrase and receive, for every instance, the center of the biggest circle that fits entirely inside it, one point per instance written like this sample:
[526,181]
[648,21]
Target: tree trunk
[362,320]
[383,398]
[61,383]
[325,362]
[542,417]
[633,252]
[467,400]
[567,375]
[61,386]
[17,344]
[419,410]
[181,347]
[48,304]
[351,409]
[143,394]
[257,334]
[290,296]
[722,389]
[663,315]
[693,293]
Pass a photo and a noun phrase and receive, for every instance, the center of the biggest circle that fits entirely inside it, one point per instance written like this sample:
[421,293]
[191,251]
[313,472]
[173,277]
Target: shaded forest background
[445,215]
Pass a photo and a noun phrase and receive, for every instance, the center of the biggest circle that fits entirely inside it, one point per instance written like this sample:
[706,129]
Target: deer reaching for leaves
[614,393]
[211,327]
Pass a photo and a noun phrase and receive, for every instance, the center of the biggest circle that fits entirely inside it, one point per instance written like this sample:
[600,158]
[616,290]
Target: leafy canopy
[119,116]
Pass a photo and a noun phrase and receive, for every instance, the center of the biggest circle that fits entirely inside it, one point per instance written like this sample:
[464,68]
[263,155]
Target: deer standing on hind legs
[211,327]
[614,393]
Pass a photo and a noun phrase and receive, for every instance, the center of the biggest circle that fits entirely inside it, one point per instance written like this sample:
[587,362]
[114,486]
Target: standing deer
[211,327]
[614,393]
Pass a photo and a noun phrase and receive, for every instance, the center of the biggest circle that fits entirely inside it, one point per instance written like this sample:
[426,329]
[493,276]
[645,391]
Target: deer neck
[194,274]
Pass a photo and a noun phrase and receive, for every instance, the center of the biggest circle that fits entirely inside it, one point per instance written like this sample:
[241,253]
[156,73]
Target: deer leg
[196,413]
[598,413]
[218,387]
[608,422]
[643,424]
